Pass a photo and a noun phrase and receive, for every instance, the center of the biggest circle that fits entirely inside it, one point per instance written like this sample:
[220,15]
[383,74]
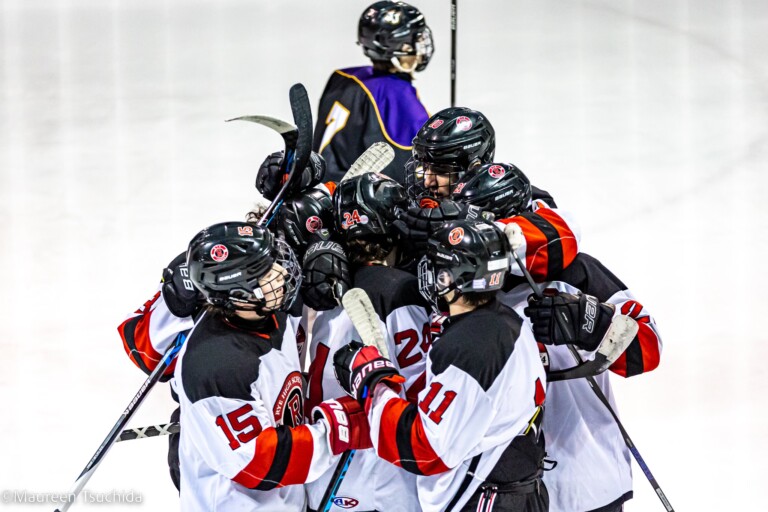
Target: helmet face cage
[239,266]
[433,180]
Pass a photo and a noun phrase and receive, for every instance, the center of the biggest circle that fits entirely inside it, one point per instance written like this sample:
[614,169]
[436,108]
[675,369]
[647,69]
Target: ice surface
[647,120]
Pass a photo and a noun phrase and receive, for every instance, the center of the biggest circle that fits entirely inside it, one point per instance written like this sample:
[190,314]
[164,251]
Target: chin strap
[395,61]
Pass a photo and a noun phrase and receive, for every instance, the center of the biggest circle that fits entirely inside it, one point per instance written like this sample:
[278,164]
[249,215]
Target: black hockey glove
[326,274]
[359,368]
[270,177]
[179,294]
[584,319]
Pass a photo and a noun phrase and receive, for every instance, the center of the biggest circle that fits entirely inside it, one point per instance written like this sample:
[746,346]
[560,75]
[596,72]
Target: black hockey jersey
[361,106]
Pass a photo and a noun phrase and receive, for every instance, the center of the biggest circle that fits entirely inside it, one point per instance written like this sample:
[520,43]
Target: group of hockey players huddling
[274,384]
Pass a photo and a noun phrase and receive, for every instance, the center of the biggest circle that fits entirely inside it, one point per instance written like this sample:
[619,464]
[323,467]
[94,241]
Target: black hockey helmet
[366,205]
[237,265]
[501,189]
[451,142]
[304,215]
[388,30]
[466,256]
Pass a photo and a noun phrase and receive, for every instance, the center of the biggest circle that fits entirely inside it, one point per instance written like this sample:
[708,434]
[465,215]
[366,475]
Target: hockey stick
[117,429]
[299,156]
[164,429]
[375,159]
[298,143]
[454,22]
[358,307]
[601,396]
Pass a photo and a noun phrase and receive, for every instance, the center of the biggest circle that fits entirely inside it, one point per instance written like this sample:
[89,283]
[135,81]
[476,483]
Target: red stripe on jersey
[539,395]
[302,448]
[266,446]
[387,447]
[536,256]
[567,237]
[136,340]
[426,459]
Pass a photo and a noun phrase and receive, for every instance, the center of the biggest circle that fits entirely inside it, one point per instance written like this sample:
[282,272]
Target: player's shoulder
[389,288]
[478,343]
[220,361]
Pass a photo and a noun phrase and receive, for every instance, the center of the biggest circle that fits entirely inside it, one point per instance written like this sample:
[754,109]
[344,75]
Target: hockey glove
[348,427]
[179,294]
[270,177]
[326,275]
[584,319]
[359,368]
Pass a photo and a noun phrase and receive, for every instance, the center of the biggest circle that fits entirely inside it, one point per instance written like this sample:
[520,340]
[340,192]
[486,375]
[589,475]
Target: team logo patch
[344,502]
[456,235]
[459,188]
[219,252]
[463,123]
[314,223]
[290,402]
[436,124]
[496,171]
[245,231]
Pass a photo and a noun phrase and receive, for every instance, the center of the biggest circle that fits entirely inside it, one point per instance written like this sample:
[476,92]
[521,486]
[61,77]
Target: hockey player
[364,208]
[243,444]
[593,471]
[367,104]
[472,439]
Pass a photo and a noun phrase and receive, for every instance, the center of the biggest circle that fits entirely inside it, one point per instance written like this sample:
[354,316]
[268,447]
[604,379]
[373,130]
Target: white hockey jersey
[372,483]
[593,462]
[484,388]
[243,445]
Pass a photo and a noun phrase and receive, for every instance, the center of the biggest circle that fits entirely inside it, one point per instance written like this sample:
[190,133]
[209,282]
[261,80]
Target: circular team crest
[219,252]
[289,406]
[314,223]
[496,171]
[456,235]
[463,123]
[436,124]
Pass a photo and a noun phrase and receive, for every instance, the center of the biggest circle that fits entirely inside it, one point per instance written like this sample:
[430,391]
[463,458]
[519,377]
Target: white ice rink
[647,119]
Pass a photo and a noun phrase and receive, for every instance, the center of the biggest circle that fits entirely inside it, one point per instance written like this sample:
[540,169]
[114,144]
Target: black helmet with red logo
[501,189]
[466,256]
[367,205]
[241,266]
[304,215]
[451,142]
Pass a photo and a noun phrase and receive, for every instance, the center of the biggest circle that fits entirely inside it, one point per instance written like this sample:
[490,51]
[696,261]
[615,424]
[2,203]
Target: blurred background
[645,119]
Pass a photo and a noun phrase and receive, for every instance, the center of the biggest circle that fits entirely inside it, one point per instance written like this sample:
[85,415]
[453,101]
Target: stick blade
[375,159]
[360,310]
[302,116]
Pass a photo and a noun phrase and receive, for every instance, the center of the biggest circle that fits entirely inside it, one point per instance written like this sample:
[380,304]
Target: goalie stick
[601,396]
[298,147]
[360,310]
[298,143]
[375,159]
